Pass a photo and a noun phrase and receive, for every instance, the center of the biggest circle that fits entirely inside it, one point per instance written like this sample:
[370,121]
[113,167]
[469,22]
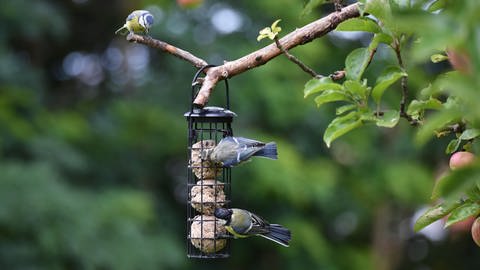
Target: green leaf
[469,134]
[380,38]
[440,84]
[452,146]
[356,88]
[356,63]
[311,5]
[270,32]
[340,126]
[388,77]
[435,213]
[265,32]
[474,193]
[436,5]
[418,106]
[359,24]
[427,91]
[456,182]
[318,85]
[452,103]
[389,119]
[436,122]
[345,108]
[468,209]
[331,96]
[276,29]
[368,115]
[379,8]
[437,58]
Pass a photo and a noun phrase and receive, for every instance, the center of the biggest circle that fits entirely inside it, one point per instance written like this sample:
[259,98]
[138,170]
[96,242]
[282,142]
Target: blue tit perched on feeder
[138,22]
[231,151]
[242,223]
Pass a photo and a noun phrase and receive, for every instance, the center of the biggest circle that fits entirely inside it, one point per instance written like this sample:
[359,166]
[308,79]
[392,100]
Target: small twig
[404,85]
[163,46]
[454,128]
[370,57]
[297,61]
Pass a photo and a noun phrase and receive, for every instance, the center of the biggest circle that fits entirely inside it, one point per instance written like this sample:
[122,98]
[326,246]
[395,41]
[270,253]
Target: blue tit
[242,223]
[138,22]
[231,151]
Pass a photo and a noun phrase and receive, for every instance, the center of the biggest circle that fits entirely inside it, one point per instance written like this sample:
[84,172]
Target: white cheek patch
[141,21]
[146,20]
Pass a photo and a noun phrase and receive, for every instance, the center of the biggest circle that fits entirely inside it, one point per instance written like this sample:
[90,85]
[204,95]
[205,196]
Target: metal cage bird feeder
[208,184]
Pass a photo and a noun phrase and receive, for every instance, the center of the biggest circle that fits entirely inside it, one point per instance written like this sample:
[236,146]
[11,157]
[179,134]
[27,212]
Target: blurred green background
[93,146]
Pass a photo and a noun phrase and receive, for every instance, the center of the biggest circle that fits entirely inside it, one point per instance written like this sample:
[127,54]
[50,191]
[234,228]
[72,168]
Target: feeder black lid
[210,112]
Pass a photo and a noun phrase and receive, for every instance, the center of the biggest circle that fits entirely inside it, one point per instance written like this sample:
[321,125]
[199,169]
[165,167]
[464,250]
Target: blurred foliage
[93,141]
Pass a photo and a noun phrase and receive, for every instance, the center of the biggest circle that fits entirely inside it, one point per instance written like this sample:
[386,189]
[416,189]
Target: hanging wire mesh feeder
[208,183]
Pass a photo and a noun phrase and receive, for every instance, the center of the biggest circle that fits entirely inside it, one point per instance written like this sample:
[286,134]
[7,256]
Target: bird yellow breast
[236,235]
[134,26]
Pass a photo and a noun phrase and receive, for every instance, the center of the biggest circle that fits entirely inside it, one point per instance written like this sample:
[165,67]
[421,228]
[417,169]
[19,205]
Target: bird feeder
[208,184]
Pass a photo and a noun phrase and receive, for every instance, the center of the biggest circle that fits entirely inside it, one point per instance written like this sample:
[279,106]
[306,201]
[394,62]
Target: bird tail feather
[122,30]
[278,234]
[269,151]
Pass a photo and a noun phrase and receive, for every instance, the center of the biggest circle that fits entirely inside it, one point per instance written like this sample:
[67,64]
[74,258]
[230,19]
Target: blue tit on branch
[138,22]
[232,151]
[242,223]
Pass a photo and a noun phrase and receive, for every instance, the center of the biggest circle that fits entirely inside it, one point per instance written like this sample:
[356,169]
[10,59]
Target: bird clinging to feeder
[242,223]
[231,151]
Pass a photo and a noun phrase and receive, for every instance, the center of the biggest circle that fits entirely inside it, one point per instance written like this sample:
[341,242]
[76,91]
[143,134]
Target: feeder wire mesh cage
[208,183]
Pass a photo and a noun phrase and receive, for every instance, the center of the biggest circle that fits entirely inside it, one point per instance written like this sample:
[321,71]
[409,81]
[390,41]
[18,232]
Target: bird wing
[248,142]
[247,146]
[259,225]
[246,152]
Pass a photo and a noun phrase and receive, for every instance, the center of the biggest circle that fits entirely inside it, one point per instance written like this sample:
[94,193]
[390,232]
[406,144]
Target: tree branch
[163,46]
[257,58]
[404,85]
[295,60]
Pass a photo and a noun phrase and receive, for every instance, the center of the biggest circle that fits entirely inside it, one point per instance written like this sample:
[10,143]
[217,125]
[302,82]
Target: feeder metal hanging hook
[196,82]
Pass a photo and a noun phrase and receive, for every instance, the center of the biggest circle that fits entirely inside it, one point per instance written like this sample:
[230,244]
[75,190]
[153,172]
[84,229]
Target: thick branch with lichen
[257,58]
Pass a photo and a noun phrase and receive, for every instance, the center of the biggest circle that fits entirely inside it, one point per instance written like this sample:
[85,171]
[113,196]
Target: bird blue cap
[223,213]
